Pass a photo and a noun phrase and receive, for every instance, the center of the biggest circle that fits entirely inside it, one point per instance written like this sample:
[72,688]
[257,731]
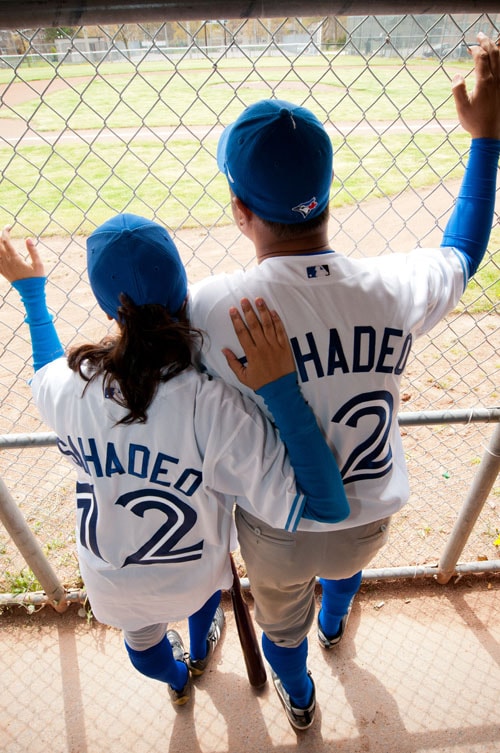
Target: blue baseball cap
[132,255]
[278,159]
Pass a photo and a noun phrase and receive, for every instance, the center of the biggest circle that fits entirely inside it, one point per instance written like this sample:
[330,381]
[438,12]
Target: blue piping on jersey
[296,512]
[463,263]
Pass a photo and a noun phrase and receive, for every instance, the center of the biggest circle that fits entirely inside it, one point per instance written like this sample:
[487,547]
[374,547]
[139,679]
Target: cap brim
[222,147]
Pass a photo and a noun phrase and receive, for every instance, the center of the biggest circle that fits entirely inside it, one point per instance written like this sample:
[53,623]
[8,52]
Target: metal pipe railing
[40,599]
[39,439]
[79,595]
[32,14]
[472,415]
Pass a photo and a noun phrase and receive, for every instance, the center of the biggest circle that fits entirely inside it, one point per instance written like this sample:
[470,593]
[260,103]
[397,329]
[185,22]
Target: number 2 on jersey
[372,458]
[160,547]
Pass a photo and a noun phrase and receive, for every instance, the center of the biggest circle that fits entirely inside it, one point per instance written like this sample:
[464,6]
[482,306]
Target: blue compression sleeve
[316,470]
[469,227]
[45,342]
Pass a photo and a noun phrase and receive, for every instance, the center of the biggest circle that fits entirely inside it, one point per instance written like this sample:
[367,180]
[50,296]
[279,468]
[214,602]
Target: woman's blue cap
[132,255]
[278,159]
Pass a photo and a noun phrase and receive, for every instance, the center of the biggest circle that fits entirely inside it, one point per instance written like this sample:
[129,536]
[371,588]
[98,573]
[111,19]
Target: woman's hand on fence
[12,265]
[479,111]
[265,342]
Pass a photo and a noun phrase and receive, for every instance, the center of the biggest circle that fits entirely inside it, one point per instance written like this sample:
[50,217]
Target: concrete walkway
[418,672]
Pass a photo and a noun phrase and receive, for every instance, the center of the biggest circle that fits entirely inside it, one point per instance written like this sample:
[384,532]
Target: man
[351,323]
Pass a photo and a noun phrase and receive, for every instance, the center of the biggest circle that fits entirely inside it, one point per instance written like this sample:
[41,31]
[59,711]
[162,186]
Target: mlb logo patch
[321,270]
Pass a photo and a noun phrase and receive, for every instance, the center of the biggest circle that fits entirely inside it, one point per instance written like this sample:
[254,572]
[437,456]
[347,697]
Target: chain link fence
[103,119]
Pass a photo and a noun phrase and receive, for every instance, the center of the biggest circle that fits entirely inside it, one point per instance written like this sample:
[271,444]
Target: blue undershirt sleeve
[45,342]
[316,471]
[469,227]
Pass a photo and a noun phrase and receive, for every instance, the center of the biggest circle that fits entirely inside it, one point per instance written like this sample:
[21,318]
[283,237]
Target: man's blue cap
[132,255]
[278,160]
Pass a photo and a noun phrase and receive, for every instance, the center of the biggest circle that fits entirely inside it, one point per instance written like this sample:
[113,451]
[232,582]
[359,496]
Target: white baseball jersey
[155,500]
[351,323]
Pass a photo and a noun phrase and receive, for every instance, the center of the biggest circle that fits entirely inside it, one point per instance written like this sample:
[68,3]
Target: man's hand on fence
[12,265]
[479,111]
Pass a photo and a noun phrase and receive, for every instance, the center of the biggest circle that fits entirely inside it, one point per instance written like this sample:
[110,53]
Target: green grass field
[72,187]
[126,96]
[69,188]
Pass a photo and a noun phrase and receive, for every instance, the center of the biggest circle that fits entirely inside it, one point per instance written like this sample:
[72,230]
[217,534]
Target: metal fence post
[478,493]
[30,549]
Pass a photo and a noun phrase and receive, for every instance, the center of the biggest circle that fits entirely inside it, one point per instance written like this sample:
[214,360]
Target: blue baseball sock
[337,595]
[199,625]
[290,666]
[158,663]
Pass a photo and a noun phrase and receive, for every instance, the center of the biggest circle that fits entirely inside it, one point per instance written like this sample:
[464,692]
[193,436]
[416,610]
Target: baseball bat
[246,633]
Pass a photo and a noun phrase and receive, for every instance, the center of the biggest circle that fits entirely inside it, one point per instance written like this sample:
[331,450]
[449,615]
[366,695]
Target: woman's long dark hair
[151,347]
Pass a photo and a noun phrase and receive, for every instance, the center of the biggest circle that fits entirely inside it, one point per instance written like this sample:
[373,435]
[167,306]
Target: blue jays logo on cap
[306,208]
[275,156]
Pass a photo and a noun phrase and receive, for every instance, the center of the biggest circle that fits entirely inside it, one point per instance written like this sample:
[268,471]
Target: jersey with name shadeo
[155,499]
[351,324]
